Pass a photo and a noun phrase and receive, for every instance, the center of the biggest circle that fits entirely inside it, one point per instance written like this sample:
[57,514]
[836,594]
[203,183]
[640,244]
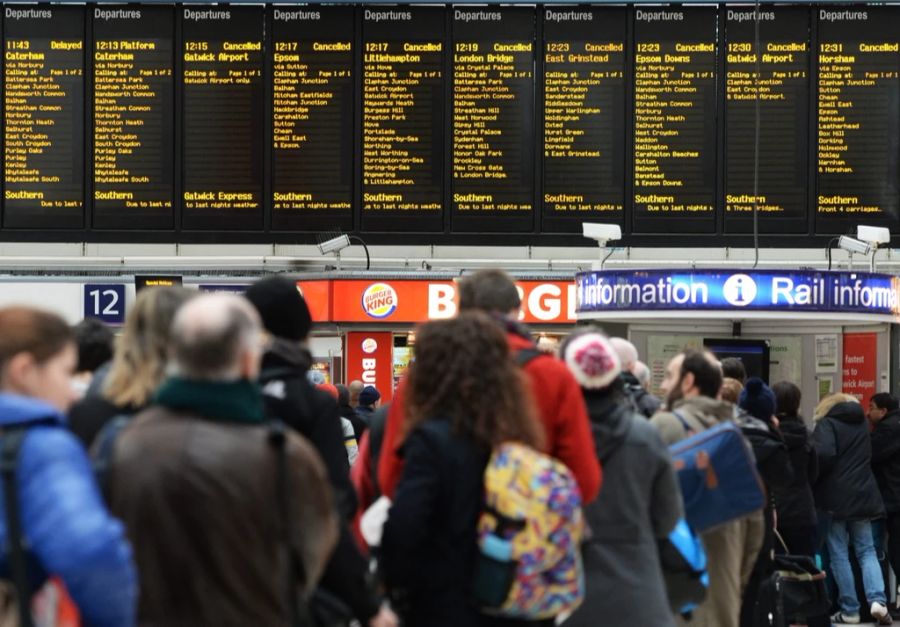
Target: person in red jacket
[560,403]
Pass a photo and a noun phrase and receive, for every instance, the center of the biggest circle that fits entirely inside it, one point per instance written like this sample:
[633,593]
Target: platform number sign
[106,302]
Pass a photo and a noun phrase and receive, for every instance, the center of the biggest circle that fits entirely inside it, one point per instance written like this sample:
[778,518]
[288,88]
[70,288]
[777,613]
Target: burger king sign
[379,300]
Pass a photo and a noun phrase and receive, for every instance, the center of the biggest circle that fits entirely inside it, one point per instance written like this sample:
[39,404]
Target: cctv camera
[601,232]
[853,245]
[874,234]
[334,244]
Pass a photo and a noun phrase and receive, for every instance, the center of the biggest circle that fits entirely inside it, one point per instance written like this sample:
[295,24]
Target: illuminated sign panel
[403,118]
[312,89]
[639,290]
[493,119]
[675,120]
[133,112]
[783,91]
[858,144]
[584,105]
[223,121]
[43,116]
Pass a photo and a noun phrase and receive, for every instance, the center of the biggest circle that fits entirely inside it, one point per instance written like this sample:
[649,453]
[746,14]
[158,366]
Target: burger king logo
[369,345]
[379,300]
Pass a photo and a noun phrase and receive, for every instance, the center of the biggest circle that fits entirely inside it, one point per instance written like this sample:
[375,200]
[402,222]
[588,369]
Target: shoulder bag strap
[278,440]
[525,356]
[9,455]
[103,450]
[683,421]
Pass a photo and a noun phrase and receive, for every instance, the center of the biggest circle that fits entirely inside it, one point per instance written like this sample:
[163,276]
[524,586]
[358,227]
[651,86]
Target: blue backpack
[718,476]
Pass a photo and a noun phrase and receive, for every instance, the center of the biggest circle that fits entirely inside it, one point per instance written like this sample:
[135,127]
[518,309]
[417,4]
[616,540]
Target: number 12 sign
[106,302]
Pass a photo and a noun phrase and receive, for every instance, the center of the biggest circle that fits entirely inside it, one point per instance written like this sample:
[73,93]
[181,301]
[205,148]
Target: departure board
[312,92]
[858,118]
[493,119]
[43,117]
[133,113]
[224,124]
[675,120]
[783,88]
[403,119]
[584,106]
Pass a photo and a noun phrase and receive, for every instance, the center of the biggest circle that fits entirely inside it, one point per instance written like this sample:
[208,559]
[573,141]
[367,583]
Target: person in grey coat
[640,502]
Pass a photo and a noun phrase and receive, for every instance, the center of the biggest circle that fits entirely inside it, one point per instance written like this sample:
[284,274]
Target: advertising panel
[370,359]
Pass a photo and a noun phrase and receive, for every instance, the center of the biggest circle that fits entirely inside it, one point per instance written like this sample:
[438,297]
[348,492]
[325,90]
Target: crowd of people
[195,471]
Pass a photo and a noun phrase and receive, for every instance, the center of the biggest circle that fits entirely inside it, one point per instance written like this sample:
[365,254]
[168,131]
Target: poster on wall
[860,367]
[785,360]
[824,386]
[660,350]
[826,353]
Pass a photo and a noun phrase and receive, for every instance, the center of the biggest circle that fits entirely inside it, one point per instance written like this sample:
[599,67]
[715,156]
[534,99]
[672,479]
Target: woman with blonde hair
[138,365]
[847,492]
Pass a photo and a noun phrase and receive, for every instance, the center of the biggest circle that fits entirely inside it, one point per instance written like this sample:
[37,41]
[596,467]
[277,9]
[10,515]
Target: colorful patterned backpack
[529,536]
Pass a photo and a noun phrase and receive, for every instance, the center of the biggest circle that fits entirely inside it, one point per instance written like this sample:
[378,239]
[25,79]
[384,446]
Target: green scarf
[226,401]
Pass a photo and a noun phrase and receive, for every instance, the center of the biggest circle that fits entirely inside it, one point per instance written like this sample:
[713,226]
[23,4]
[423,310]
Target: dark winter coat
[886,459]
[290,397]
[846,487]
[364,415]
[794,502]
[89,415]
[429,542]
[359,427]
[640,503]
[769,449]
[644,402]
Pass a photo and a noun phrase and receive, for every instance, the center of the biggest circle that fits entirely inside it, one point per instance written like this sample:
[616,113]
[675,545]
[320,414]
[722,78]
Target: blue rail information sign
[765,290]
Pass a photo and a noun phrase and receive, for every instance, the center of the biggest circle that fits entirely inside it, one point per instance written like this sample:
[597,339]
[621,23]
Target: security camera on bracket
[866,242]
[602,234]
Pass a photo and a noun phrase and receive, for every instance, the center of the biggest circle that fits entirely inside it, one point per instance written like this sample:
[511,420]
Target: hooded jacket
[846,487]
[794,502]
[196,480]
[644,402]
[68,530]
[886,459]
[560,407]
[640,504]
[312,413]
[290,397]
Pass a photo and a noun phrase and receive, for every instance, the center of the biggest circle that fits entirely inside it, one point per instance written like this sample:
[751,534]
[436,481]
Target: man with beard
[691,386]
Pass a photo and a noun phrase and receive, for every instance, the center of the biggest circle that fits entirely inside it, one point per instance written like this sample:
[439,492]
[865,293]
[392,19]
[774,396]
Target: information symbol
[739,290]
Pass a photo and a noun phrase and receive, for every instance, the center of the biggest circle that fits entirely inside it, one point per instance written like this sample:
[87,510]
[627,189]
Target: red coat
[562,410]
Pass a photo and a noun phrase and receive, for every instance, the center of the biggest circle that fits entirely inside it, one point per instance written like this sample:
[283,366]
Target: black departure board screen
[584,106]
[403,119]
[134,117]
[43,117]
[223,117]
[493,119]
[675,120]
[858,118]
[312,94]
[783,89]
